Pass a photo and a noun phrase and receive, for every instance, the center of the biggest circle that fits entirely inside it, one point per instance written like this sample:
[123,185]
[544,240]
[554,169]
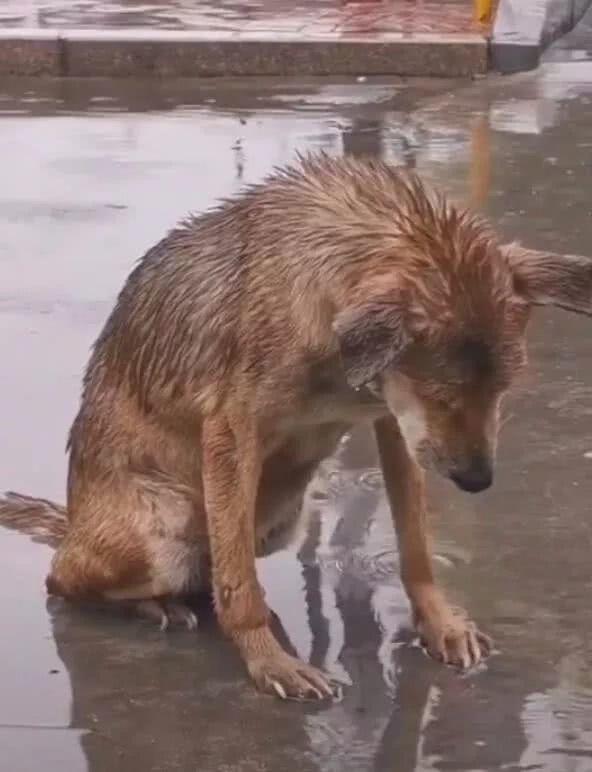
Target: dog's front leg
[446,632]
[231,474]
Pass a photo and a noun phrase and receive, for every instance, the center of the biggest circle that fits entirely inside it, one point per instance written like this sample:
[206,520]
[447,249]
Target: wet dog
[241,349]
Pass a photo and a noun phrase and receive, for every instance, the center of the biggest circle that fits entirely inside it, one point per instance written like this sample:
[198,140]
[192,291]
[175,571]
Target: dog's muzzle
[476,477]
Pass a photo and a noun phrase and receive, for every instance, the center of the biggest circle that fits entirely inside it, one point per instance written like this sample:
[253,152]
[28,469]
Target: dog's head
[443,338]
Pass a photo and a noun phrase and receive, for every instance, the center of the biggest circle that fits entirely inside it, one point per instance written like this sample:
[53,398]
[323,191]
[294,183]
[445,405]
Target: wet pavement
[306,17]
[111,38]
[95,173]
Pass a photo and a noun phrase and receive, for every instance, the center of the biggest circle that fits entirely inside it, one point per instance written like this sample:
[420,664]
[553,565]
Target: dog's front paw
[289,678]
[450,637]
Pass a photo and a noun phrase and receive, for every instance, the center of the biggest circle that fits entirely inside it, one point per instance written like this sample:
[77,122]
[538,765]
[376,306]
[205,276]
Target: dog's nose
[477,476]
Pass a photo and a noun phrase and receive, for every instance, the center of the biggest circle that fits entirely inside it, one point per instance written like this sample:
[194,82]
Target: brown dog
[241,349]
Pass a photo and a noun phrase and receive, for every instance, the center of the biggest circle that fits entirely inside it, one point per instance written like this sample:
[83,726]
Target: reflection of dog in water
[242,348]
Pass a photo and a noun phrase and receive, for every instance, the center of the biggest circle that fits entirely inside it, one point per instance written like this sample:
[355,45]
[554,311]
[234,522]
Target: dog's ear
[546,278]
[372,336]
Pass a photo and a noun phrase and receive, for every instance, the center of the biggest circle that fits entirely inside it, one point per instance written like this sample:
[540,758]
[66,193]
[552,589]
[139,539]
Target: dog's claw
[337,692]
[191,621]
[279,690]
[290,679]
[167,612]
[449,637]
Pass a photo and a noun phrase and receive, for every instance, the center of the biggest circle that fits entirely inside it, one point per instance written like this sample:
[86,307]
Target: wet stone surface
[229,38]
[96,175]
[277,16]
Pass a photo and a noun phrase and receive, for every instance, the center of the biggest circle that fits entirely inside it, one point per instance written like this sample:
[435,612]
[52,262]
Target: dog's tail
[44,521]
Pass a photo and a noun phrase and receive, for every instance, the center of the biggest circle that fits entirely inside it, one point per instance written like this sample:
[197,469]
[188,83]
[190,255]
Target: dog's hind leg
[146,556]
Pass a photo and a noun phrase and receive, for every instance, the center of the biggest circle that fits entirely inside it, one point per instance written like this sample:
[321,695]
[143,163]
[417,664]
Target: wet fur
[248,341]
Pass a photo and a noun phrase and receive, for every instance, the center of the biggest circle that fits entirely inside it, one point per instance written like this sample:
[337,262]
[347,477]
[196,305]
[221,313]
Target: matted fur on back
[302,236]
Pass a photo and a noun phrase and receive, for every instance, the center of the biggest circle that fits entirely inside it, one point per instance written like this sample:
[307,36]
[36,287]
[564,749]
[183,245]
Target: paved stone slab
[29,54]
[221,39]
[410,16]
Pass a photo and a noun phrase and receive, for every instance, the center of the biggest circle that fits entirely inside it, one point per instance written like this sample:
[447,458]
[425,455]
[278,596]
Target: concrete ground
[93,174]
[305,16]
[229,37]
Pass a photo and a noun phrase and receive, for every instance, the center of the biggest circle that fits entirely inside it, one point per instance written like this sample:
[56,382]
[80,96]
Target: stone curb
[524,28]
[145,53]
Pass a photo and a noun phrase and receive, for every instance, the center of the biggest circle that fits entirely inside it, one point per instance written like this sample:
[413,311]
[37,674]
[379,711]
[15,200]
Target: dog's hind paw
[167,612]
